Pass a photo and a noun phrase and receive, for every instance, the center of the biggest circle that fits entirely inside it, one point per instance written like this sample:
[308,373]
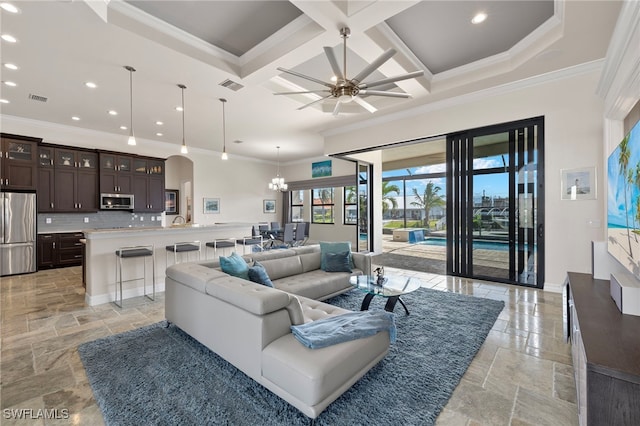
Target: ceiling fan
[345,89]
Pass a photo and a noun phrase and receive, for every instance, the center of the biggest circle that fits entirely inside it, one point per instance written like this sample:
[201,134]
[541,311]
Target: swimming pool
[478,244]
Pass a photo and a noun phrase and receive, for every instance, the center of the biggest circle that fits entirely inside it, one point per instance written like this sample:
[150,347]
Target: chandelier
[277,183]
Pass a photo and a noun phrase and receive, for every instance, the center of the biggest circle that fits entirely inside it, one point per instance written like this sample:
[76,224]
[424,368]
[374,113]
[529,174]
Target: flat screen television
[623,202]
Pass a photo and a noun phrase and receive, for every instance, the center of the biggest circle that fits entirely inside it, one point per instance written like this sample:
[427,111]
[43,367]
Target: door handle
[540,231]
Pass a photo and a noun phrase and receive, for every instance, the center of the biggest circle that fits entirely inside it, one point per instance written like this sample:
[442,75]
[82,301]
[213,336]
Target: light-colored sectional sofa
[248,324]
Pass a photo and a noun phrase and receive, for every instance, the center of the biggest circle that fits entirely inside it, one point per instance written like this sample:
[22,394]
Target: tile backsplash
[69,222]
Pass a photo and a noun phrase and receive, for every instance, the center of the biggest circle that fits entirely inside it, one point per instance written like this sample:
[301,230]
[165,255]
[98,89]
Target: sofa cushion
[235,265]
[334,247]
[337,262]
[255,298]
[284,267]
[193,275]
[272,254]
[259,275]
[310,261]
[316,284]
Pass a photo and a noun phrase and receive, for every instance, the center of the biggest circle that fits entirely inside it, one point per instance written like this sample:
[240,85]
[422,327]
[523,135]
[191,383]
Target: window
[323,201]
[350,205]
[297,206]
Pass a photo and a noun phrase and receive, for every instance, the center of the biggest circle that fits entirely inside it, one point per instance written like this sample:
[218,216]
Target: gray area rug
[161,376]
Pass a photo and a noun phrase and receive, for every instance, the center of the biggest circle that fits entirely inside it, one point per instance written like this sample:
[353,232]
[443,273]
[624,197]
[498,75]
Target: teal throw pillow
[337,262]
[234,265]
[259,275]
[334,247]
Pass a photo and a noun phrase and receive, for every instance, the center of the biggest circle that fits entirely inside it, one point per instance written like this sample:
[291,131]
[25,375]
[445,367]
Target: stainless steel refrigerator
[17,233]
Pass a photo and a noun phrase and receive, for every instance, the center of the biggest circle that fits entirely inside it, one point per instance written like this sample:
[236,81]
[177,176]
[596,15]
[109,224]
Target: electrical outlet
[141,218]
[159,218]
[153,218]
[86,220]
[48,220]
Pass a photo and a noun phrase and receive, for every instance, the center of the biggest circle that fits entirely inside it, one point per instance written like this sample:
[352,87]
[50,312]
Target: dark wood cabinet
[67,180]
[18,166]
[115,173]
[605,345]
[59,250]
[148,185]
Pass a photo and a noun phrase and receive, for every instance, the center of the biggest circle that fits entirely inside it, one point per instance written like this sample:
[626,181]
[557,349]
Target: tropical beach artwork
[623,201]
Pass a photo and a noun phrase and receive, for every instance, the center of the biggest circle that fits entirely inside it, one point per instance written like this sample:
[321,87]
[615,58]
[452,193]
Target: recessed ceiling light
[91,85]
[112,112]
[10,83]
[11,66]
[9,38]
[159,123]
[4,101]
[178,108]
[123,127]
[9,7]
[74,118]
[478,18]
[158,134]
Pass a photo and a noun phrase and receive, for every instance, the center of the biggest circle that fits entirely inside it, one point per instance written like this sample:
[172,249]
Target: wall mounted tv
[623,202]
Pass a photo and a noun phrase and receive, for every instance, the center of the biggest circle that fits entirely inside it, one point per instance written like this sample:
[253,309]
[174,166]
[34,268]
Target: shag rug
[161,376]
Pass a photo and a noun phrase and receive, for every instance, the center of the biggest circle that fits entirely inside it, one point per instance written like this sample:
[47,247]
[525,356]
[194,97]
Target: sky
[615,186]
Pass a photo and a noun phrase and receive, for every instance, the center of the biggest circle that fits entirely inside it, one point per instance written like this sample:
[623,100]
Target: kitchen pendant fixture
[184,149]
[277,183]
[224,133]
[132,138]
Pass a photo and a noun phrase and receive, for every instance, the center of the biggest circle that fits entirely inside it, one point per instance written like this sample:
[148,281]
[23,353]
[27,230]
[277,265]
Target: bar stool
[220,243]
[183,247]
[250,242]
[133,252]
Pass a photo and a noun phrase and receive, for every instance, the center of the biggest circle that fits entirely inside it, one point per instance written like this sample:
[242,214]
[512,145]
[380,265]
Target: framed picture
[211,205]
[269,206]
[172,201]
[321,169]
[578,184]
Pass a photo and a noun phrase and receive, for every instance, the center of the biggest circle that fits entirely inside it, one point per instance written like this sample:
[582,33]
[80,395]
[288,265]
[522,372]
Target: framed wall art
[172,201]
[578,184]
[211,205]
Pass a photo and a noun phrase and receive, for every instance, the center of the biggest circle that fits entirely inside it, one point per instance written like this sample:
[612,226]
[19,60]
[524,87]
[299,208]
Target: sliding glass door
[495,197]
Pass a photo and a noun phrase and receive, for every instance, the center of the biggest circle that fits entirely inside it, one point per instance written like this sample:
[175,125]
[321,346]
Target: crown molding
[471,97]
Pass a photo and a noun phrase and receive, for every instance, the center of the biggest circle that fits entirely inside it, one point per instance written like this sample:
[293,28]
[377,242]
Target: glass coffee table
[392,288]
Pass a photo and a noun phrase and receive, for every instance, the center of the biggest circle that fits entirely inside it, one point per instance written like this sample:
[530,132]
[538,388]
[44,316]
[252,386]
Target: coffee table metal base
[389,306]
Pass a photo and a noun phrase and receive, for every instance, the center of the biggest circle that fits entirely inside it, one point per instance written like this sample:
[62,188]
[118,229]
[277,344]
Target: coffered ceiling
[203,44]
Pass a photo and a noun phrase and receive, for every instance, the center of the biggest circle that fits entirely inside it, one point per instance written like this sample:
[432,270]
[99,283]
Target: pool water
[482,244]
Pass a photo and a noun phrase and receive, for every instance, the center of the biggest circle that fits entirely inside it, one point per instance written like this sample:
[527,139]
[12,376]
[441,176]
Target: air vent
[38,98]
[229,84]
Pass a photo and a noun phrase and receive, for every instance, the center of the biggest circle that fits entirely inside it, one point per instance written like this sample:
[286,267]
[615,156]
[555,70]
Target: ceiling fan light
[345,99]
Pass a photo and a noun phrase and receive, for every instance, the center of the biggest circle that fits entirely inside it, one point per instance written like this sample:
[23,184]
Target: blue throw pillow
[234,265]
[337,262]
[337,247]
[259,275]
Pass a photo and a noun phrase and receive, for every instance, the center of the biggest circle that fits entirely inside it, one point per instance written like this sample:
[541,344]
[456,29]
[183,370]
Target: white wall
[179,175]
[573,138]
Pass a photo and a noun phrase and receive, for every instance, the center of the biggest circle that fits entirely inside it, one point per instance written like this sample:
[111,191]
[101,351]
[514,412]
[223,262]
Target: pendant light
[132,138]
[224,133]
[277,183]
[183,149]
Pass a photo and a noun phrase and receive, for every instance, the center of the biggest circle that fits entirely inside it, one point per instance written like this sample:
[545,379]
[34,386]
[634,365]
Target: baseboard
[553,288]
[100,299]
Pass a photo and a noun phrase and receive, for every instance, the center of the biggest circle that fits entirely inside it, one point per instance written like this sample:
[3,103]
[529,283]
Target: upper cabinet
[115,173]
[148,185]
[18,166]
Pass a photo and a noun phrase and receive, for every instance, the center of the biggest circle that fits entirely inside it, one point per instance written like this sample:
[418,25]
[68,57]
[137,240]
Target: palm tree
[387,199]
[429,199]
[623,161]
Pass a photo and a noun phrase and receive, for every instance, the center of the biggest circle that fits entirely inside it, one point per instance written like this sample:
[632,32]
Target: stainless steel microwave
[116,201]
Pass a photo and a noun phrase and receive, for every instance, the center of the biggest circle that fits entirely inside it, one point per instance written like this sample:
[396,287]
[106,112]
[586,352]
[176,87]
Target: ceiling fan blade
[314,102]
[364,104]
[392,79]
[387,94]
[336,110]
[334,62]
[306,77]
[303,92]
[373,66]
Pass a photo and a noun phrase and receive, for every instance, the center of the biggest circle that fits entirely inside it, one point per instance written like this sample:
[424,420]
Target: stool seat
[221,244]
[179,248]
[249,241]
[134,252]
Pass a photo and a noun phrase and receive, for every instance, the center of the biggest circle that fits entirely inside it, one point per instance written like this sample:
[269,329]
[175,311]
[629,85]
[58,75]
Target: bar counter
[101,245]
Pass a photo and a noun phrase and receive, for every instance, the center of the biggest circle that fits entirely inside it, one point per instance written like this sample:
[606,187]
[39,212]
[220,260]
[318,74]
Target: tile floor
[522,375]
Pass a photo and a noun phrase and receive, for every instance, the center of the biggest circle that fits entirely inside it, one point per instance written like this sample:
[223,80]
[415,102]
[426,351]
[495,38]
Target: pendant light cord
[183,142]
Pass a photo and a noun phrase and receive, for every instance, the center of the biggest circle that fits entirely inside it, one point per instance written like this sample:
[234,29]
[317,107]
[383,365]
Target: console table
[606,353]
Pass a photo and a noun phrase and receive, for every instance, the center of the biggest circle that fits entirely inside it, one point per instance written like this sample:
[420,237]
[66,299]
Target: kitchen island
[101,245]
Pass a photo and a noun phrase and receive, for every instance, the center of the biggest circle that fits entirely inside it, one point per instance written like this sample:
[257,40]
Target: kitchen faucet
[178,217]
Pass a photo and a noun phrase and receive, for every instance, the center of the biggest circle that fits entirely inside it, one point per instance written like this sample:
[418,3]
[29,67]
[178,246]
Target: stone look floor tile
[521,375]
